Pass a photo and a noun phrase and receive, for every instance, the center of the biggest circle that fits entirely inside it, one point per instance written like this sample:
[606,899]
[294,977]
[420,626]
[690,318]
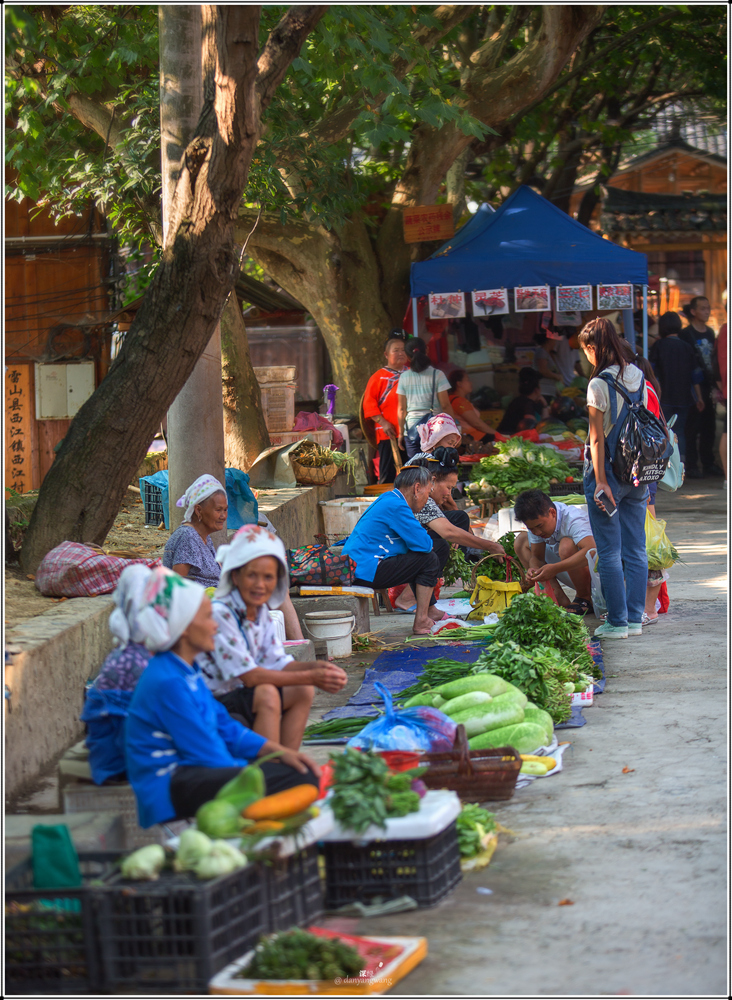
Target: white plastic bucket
[332,629]
[340,517]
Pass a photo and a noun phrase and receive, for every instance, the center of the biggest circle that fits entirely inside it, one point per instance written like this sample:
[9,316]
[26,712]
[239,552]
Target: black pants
[239,703]
[192,787]
[387,468]
[418,569]
[700,431]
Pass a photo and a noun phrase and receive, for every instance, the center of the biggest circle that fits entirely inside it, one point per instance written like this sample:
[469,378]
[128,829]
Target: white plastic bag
[598,600]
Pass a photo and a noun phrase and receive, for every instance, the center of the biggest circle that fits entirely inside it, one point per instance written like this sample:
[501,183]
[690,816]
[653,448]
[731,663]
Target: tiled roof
[633,211]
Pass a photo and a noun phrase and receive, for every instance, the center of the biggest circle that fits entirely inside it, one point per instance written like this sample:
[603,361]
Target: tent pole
[415,320]
[645,321]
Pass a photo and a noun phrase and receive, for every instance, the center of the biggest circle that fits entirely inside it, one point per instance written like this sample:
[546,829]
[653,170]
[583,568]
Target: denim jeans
[679,428]
[621,548]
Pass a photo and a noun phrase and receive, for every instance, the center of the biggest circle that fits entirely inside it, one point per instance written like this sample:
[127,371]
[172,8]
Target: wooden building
[58,330]
[671,203]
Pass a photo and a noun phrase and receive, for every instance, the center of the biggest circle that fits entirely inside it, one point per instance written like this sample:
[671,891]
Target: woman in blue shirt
[390,547]
[182,745]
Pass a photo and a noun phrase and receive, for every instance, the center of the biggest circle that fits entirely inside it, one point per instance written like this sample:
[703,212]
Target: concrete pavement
[642,855]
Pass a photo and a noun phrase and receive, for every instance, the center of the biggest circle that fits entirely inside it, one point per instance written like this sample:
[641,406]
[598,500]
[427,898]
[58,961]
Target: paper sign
[532,298]
[447,305]
[18,457]
[490,302]
[428,222]
[614,296]
[572,298]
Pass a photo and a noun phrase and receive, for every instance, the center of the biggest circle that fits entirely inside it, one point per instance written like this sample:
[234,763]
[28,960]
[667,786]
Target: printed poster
[447,305]
[614,296]
[574,298]
[532,298]
[490,302]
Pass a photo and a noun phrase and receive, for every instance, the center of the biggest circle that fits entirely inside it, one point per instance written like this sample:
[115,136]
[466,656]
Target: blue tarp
[528,241]
[243,507]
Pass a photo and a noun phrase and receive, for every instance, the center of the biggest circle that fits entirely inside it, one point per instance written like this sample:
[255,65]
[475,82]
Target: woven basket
[511,565]
[307,475]
[476,775]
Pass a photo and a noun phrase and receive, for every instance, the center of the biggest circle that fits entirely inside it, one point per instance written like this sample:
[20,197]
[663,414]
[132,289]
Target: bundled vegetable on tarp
[519,465]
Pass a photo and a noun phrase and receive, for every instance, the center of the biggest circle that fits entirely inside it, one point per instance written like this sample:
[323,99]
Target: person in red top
[380,404]
[468,416]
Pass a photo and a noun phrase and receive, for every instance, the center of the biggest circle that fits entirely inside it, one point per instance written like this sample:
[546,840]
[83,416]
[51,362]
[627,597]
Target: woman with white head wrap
[248,668]
[189,550]
[107,701]
[182,745]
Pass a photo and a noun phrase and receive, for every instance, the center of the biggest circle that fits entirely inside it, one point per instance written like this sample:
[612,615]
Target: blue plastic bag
[419,729]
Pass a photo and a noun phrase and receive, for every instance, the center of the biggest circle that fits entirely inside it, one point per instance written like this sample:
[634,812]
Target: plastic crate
[293,890]
[425,869]
[177,933]
[83,796]
[152,498]
[51,935]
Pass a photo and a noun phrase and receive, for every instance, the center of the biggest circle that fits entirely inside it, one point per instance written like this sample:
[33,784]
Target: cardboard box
[278,403]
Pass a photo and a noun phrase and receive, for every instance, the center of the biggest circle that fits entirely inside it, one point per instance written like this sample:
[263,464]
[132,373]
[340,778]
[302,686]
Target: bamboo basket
[314,475]
[476,775]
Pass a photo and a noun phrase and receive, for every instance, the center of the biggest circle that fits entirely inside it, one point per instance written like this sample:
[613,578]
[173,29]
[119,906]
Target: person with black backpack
[627,448]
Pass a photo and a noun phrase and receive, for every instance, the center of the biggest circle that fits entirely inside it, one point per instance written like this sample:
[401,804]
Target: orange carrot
[282,804]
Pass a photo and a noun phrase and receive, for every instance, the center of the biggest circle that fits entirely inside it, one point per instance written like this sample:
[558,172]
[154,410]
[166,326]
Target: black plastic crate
[51,935]
[177,933]
[293,890]
[425,869]
[152,498]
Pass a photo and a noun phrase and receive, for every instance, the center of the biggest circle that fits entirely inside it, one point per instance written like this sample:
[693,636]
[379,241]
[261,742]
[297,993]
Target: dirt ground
[129,536]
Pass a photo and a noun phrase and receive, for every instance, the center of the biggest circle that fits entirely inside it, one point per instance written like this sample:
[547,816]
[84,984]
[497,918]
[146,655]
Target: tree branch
[283,45]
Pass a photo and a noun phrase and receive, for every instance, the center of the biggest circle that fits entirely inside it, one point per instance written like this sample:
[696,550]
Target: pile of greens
[542,673]
[436,672]
[295,954]
[457,567]
[365,791]
[532,620]
[474,827]
[335,729]
[520,465]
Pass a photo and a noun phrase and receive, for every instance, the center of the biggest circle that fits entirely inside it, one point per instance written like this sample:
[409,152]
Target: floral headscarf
[171,603]
[435,429]
[204,486]
[129,598]
[251,542]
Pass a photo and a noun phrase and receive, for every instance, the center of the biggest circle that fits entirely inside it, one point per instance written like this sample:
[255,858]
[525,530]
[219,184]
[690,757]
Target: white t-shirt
[598,392]
[418,390]
[572,522]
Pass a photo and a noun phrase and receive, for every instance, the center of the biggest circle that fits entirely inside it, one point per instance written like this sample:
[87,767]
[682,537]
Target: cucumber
[525,737]
[541,718]
[468,700]
[424,698]
[517,693]
[489,683]
[500,712]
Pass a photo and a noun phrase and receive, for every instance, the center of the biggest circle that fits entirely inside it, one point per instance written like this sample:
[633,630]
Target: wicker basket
[476,775]
[309,475]
[511,565]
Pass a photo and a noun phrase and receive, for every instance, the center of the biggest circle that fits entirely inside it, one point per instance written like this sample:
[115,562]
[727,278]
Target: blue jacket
[174,720]
[104,714]
[388,528]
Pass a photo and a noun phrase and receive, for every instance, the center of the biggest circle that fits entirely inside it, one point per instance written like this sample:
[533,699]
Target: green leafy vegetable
[520,465]
[457,567]
[360,792]
[296,954]
[474,826]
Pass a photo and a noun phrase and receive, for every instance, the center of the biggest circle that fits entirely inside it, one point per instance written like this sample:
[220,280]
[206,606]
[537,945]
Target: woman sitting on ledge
[248,669]
[182,746]
[190,550]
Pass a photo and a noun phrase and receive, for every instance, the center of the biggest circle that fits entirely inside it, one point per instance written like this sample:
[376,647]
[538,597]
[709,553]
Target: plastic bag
[673,477]
[598,599]
[423,728]
[662,553]
[243,506]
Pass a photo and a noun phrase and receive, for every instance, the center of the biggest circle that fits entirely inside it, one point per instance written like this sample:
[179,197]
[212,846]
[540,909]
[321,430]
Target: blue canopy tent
[527,241]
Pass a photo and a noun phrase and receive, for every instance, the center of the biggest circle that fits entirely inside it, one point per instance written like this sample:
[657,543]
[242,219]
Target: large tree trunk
[108,438]
[245,432]
[337,277]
